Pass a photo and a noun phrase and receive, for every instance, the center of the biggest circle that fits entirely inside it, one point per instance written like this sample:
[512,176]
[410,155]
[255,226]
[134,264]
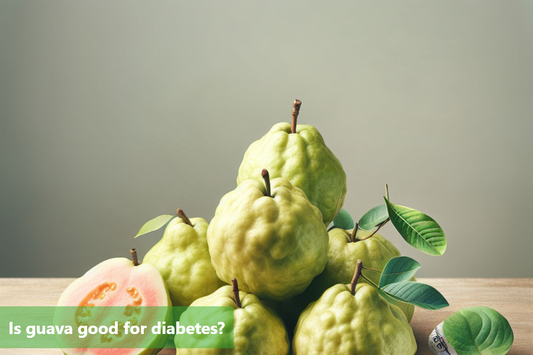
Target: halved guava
[112,293]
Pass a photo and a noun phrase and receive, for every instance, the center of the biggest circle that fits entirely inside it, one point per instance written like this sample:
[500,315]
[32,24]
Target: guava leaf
[398,269]
[418,229]
[343,220]
[374,217]
[419,294]
[155,224]
[478,330]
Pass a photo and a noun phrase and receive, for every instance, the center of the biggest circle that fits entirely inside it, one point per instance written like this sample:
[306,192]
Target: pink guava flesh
[117,282]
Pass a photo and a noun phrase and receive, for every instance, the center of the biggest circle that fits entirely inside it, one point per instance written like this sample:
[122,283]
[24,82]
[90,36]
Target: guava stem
[295,112]
[183,216]
[266,179]
[236,293]
[387,191]
[134,257]
[357,273]
[354,232]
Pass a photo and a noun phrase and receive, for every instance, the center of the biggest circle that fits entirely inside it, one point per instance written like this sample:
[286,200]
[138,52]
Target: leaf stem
[370,281]
[367,268]
[266,179]
[133,253]
[183,216]
[357,273]
[236,293]
[379,226]
[295,112]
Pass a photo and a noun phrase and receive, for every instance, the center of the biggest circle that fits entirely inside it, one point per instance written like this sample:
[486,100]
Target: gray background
[115,112]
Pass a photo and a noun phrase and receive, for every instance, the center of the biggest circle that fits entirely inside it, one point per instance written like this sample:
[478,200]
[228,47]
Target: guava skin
[365,324]
[257,330]
[303,159]
[374,252]
[182,258]
[274,245]
[117,282]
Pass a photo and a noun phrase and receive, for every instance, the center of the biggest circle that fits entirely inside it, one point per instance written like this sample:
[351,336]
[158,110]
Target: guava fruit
[301,156]
[356,324]
[126,287]
[257,330]
[273,243]
[182,258]
[343,254]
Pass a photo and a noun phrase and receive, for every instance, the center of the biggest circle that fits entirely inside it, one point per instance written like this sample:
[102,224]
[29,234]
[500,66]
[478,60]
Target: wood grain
[513,298]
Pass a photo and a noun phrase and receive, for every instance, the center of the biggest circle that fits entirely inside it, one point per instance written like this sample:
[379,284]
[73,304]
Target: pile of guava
[280,250]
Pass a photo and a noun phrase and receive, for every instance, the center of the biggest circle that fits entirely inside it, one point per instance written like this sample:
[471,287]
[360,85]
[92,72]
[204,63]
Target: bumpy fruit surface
[257,331]
[302,158]
[374,252]
[274,245]
[182,258]
[362,324]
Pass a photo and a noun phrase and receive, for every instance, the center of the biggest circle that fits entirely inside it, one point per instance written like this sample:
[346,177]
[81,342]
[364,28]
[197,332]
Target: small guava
[257,330]
[182,258]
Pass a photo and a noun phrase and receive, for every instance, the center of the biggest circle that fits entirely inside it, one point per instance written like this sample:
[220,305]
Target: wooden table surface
[513,298]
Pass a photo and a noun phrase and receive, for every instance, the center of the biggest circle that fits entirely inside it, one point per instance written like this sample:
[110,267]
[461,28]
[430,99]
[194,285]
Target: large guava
[342,323]
[128,289]
[343,254]
[273,242]
[374,251]
[302,158]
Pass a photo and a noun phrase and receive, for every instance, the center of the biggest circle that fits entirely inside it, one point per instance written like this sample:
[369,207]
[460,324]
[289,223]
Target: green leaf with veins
[418,229]
[400,268]
[419,294]
[372,218]
[478,330]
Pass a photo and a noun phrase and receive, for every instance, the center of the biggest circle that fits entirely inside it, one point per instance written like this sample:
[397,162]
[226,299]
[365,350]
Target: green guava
[118,283]
[302,158]
[362,324]
[343,254]
[182,258]
[257,330]
[273,244]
